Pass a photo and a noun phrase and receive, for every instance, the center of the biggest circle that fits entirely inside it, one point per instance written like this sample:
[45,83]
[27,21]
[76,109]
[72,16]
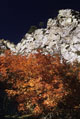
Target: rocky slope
[5,44]
[62,35]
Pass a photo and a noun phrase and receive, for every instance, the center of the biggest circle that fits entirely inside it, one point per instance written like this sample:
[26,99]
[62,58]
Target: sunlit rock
[61,35]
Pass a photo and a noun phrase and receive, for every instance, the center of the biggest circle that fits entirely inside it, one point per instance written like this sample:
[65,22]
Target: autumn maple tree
[38,83]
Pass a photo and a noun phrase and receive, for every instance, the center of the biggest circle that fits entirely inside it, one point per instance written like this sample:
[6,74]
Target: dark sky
[16,16]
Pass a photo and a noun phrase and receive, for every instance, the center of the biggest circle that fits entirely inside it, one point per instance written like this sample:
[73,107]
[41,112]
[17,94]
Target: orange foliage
[38,82]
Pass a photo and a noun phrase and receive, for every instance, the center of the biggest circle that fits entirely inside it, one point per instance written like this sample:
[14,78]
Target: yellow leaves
[24,85]
[11,92]
[31,83]
[37,110]
[50,103]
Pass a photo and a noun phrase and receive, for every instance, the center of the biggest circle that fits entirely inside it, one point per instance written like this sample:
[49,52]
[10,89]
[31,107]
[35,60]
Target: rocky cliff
[62,35]
[5,44]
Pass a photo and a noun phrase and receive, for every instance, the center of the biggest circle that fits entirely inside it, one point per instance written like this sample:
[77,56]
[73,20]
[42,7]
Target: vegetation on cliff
[37,85]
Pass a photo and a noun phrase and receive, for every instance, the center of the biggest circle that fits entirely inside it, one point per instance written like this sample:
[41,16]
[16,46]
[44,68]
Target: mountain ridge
[61,35]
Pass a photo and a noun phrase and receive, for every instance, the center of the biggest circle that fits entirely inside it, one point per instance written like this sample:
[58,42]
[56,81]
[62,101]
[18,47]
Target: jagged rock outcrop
[62,35]
[6,45]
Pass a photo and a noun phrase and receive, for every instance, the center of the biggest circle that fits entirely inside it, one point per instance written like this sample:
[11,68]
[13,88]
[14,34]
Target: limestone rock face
[62,35]
[4,45]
